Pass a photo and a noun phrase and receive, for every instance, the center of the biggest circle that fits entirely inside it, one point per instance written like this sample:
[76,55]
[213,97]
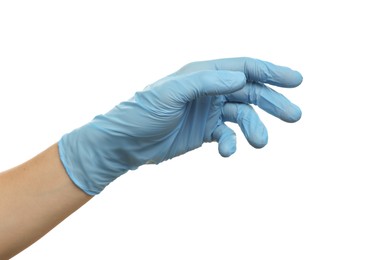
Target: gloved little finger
[267,99]
[248,120]
[226,139]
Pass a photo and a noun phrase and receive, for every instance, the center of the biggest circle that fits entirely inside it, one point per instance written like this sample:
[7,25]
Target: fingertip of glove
[260,141]
[294,114]
[294,79]
[226,154]
[299,78]
[227,149]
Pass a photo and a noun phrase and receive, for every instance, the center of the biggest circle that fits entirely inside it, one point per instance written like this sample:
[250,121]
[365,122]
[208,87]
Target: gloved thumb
[208,82]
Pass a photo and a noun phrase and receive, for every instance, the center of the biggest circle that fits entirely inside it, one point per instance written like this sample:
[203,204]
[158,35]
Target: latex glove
[177,114]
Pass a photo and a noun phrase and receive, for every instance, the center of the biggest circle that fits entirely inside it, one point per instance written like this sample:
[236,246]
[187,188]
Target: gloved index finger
[254,70]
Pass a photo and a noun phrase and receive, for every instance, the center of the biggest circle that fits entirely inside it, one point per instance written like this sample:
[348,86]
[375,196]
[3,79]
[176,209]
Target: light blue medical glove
[178,114]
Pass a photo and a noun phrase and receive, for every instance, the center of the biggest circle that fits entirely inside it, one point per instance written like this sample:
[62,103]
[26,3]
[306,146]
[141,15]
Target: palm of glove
[161,122]
[177,125]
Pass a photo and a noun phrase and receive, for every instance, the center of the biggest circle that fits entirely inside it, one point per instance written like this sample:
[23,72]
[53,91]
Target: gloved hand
[177,114]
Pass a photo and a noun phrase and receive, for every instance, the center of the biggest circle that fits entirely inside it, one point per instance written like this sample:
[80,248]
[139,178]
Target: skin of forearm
[34,198]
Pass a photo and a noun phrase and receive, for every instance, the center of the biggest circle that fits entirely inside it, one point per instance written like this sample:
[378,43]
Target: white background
[320,189]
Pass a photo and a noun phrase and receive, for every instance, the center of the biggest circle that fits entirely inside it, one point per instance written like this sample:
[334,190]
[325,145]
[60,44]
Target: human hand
[177,114]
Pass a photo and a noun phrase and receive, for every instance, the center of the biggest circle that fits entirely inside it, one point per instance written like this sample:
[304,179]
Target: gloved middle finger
[267,99]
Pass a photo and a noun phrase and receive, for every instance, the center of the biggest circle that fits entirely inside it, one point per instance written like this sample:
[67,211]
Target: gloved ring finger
[248,120]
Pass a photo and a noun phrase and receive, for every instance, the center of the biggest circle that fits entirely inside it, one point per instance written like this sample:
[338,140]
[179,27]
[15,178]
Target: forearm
[34,198]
